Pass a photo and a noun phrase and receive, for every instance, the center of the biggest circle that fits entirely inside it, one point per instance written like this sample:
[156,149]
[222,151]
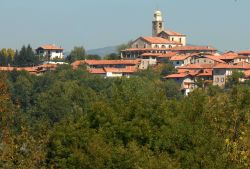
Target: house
[180,60]
[241,58]
[206,59]
[245,53]
[189,79]
[228,57]
[36,70]
[222,71]
[173,36]
[110,68]
[154,42]
[50,52]
[193,49]
[185,80]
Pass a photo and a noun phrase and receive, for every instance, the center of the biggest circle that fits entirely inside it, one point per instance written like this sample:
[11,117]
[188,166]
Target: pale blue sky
[224,24]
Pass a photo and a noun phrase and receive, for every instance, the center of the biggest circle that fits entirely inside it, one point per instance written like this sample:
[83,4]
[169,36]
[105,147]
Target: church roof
[172,33]
[158,40]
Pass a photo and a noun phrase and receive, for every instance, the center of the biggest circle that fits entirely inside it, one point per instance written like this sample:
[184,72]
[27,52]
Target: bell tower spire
[158,23]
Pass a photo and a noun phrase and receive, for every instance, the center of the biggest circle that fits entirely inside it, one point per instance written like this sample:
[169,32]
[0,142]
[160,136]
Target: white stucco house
[50,52]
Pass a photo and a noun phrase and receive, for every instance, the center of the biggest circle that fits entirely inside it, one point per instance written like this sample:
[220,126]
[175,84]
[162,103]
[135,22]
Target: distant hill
[102,51]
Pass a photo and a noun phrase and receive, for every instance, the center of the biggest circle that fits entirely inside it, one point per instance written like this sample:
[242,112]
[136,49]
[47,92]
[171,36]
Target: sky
[224,24]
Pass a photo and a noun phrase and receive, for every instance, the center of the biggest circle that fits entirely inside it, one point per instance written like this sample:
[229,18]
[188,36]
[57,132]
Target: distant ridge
[103,51]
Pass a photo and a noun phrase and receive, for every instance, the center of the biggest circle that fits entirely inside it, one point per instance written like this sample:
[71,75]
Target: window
[145,45]
[156,46]
[170,46]
[163,46]
[160,25]
[180,40]
[177,62]
[137,46]
[172,39]
[222,79]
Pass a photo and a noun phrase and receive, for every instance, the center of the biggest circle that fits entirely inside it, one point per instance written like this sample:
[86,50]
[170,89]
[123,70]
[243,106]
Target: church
[162,41]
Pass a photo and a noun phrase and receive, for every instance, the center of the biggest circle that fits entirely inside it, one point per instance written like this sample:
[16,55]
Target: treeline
[71,119]
[24,57]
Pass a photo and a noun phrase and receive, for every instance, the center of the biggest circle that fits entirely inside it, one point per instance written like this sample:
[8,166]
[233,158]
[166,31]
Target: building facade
[50,52]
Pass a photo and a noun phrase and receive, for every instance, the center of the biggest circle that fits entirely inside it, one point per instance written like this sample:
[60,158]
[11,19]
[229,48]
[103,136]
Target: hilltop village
[192,63]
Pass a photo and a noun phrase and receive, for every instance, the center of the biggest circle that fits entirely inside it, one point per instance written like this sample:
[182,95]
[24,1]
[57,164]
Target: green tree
[93,57]
[234,79]
[112,56]
[124,46]
[26,57]
[78,53]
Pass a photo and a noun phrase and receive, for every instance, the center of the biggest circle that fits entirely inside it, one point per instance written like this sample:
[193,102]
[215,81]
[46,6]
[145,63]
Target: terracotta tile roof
[145,49]
[179,75]
[205,73]
[215,58]
[193,48]
[158,40]
[246,52]
[50,47]
[240,65]
[241,57]
[113,62]
[128,69]
[77,63]
[197,66]
[179,57]
[151,54]
[168,55]
[97,71]
[35,69]
[172,33]
[228,56]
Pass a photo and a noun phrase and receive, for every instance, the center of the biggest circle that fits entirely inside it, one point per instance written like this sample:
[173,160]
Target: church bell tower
[158,24]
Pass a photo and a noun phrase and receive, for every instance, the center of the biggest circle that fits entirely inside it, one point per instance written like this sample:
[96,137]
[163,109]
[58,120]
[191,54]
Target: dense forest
[71,119]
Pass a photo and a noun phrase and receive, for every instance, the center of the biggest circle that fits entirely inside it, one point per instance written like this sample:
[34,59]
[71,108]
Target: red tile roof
[168,55]
[228,56]
[179,57]
[173,33]
[246,52]
[214,58]
[145,49]
[77,63]
[151,54]
[97,71]
[180,75]
[197,66]
[205,73]
[193,48]
[113,62]
[158,40]
[50,47]
[240,65]
[128,69]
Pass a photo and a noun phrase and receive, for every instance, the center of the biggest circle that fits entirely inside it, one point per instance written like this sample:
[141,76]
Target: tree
[26,57]
[93,57]
[78,53]
[124,46]
[234,79]
[6,56]
[112,56]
